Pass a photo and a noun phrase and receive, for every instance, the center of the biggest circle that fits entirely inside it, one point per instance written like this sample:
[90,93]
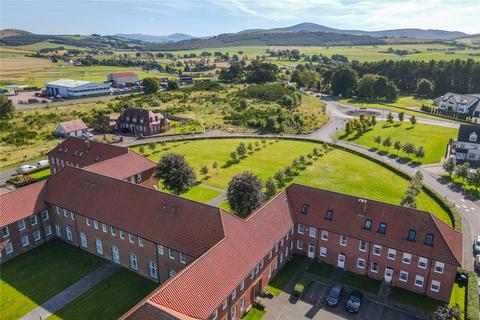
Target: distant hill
[399,33]
[267,38]
[12,32]
[174,37]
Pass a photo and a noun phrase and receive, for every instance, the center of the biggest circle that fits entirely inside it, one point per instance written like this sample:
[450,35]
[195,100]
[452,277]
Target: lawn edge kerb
[449,209]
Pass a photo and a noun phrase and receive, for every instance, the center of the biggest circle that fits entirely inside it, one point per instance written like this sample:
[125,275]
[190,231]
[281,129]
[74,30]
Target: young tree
[288,171]
[215,165]
[408,200]
[151,145]
[280,178]
[413,120]
[175,172]
[233,155]
[377,140]
[302,159]
[141,149]
[449,166]
[250,147]
[408,148]
[373,121]
[241,150]
[270,188]
[401,117]
[390,118]
[150,85]
[397,145]
[244,193]
[387,142]
[462,171]
[295,163]
[204,170]
[420,152]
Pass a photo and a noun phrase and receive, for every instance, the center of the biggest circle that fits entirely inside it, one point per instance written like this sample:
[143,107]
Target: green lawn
[201,194]
[336,171]
[40,175]
[408,102]
[321,269]
[109,299]
[458,297]
[360,282]
[254,314]
[34,277]
[433,138]
[279,282]
[415,300]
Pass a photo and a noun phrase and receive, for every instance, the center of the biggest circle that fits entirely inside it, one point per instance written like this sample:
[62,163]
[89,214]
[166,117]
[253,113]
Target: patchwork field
[433,138]
[337,171]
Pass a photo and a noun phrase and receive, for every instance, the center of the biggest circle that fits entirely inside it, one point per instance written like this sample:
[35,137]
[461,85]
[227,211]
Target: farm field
[433,138]
[123,288]
[337,171]
[32,278]
[360,53]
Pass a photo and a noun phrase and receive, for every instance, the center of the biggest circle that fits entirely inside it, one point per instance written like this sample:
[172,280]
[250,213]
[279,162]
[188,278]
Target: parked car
[42,163]
[87,135]
[476,264]
[334,295]
[25,168]
[354,302]
[476,245]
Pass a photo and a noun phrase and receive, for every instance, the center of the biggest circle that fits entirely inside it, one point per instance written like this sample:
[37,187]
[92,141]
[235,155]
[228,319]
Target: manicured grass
[40,175]
[279,282]
[360,282]
[254,314]
[458,298]
[415,300]
[321,269]
[29,280]
[433,138]
[109,299]
[338,170]
[403,102]
[201,194]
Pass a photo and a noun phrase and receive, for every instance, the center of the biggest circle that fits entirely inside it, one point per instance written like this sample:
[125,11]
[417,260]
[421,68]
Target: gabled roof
[22,203]
[85,152]
[73,125]
[183,225]
[203,285]
[399,220]
[121,74]
[466,130]
[123,166]
[467,98]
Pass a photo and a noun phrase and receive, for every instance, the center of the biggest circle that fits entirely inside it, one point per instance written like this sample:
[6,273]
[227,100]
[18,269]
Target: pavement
[71,293]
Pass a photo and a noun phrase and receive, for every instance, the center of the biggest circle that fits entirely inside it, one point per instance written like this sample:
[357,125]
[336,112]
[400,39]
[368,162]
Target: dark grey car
[354,302]
[334,295]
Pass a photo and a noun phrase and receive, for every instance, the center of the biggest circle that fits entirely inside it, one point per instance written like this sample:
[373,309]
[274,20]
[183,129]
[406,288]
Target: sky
[211,17]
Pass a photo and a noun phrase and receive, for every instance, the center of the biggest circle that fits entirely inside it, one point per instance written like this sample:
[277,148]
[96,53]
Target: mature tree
[424,87]
[446,312]
[392,92]
[172,85]
[175,172]
[270,188]
[414,189]
[401,116]
[7,109]
[473,179]
[308,78]
[261,72]
[380,87]
[244,193]
[344,81]
[449,166]
[365,86]
[390,118]
[377,140]
[462,170]
[150,85]
[280,178]
[101,121]
[233,74]
[413,120]
[408,199]
[241,150]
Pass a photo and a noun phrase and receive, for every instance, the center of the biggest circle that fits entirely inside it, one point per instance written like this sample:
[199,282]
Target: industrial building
[67,88]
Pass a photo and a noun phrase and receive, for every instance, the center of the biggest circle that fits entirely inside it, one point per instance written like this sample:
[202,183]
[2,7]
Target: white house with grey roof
[460,103]
[467,145]
[67,88]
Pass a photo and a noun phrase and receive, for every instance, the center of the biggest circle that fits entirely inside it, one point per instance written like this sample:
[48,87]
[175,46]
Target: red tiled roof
[202,286]
[121,74]
[398,219]
[123,166]
[73,125]
[21,203]
[183,225]
[85,152]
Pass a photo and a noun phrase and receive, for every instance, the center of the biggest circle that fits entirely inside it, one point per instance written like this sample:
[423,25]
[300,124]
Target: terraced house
[211,264]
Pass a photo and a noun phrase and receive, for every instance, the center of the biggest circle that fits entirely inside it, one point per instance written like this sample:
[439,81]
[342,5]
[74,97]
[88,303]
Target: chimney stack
[87,144]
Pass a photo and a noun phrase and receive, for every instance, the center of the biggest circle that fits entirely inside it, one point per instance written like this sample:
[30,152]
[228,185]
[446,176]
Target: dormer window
[97,157]
[329,215]
[75,152]
[304,209]
[367,225]
[473,137]
[80,154]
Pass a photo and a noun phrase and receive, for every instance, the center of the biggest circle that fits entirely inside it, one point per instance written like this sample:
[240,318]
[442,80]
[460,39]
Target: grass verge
[278,283]
[360,282]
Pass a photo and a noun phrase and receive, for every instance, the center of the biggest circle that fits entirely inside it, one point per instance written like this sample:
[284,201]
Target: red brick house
[144,122]
[212,264]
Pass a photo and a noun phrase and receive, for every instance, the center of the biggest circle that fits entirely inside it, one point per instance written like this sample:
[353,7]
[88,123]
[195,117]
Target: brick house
[144,122]
[72,128]
[184,244]
[114,161]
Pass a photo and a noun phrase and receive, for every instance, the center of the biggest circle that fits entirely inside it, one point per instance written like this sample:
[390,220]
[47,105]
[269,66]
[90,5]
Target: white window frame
[48,230]
[435,283]
[372,269]
[58,231]
[360,245]
[299,244]
[171,254]
[270,255]
[324,235]
[58,209]
[5,234]
[45,215]
[87,221]
[312,232]
[183,258]
[25,243]
[343,240]
[407,258]
[113,233]
[95,224]
[130,238]
[21,225]
[152,269]
[9,248]
[233,295]
[439,265]
[32,219]
[160,249]
[121,233]
[68,233]
[72,215]
[99,246]
[215,315]
[390,253]
[422,262]
[323,252]
[36,235]
[224,304]
[65,213]
[419,278]
[375,248]
[116,254]
[83,240]
[300,228]
[403,273]
[242,285]
[140,242]
[359,262]
[104,228]
[171,273]
[133,261]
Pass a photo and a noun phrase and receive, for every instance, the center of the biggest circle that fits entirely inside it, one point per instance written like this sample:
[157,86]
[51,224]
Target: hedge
[472,307]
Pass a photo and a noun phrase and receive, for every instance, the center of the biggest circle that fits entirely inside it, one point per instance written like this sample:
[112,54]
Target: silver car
[334,295]
[354,302]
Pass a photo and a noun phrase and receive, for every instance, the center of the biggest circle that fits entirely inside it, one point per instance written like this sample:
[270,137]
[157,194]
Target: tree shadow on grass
[230,163]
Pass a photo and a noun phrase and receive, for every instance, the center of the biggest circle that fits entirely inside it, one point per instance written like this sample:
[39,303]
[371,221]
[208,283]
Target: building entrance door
[311,251]
[341,261]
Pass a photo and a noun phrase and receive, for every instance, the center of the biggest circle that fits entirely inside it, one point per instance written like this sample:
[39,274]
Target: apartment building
[144,122]
[212,264]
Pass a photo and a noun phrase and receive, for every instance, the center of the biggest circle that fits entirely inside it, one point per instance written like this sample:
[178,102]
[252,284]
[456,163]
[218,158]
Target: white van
[25,168]
[42,163]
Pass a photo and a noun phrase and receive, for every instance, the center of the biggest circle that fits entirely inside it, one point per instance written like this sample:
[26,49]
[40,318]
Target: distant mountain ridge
[431,34]
[174,37]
